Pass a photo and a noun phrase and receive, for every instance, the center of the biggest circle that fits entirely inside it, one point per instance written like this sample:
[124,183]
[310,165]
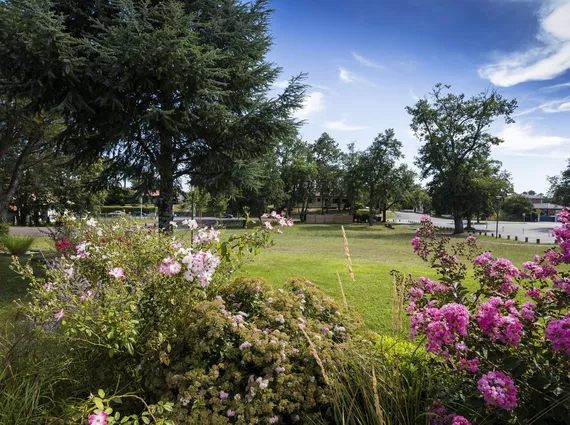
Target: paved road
[533,231]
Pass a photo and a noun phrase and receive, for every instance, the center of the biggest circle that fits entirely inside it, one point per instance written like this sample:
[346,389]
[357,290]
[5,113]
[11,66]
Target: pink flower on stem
[267,225]
[117,273]
[558,331]
[169,267]
[460,420]
[99,418]
[230,413]
[498,390]
[59,315]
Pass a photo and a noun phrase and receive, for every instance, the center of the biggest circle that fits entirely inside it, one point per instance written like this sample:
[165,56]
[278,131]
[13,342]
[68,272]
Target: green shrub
[165,321]
[17,245]
[4,229]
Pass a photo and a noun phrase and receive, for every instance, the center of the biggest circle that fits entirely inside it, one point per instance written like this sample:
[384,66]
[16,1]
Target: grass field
[316,252]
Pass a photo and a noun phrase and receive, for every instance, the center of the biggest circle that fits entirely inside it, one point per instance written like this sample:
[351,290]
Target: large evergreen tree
[165,88]
[455,135]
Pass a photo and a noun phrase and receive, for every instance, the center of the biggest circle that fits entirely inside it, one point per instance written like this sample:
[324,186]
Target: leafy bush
[4,229]
[17,245]
[161,318]
[506,344]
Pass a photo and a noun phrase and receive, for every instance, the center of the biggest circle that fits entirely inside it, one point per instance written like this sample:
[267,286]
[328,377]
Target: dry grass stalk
[347,254]
[398,303]
[341,290]
[376,398]
[317,358]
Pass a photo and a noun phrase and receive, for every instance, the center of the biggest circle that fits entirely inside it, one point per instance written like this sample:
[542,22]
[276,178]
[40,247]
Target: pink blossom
[117,273]
[483,259]
[273,419]
[558,331]
[460,420]
[86,295]
[470,365]
[527,311]
[223,395]
[498,390]
[59,315]
[230,413]
[534,293]
[201,267]
[169,267]
[267,225]
[562,284]
[471,239]
[244,345]
[340,329]
[504,328]
[279,369]
[206,235]
[99,418]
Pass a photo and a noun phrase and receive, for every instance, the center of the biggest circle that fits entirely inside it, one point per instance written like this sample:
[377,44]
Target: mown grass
[316,252]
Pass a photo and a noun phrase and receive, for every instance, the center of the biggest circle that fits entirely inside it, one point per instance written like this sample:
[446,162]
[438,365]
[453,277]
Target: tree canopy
[165,89]
[455,135]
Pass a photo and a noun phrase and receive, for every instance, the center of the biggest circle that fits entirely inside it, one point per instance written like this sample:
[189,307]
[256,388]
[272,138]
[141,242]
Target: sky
[367,60]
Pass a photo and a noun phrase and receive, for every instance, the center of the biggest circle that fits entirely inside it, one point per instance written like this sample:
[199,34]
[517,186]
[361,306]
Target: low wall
[328,219]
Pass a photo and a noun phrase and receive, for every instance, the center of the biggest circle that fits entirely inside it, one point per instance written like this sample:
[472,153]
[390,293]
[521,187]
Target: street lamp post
[498,200]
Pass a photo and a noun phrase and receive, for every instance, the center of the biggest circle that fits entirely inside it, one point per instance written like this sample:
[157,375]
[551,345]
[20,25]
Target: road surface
[532,230]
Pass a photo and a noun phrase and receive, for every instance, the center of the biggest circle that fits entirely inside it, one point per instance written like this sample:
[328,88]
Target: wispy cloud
[544,62]
[283,84]
[523,139]
[341,125]
[325,88]
[350,77]
[314,103]
[551,107]
[555,87]
[413,95]
[366,62]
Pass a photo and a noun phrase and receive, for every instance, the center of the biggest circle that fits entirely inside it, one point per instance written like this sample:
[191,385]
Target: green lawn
[316,252]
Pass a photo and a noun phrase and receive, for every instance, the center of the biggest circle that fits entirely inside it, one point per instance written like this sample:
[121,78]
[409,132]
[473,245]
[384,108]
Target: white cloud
[350,77]
[413,95]
[341,125]
[366,62]
[545,62]
[314,102]
[555,87]
[522,139]
[323,87]
[283,84]
[551,107]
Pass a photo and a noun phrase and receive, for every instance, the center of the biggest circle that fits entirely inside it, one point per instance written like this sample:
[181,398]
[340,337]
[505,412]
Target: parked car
[117,212]
[228,216]
[138,214]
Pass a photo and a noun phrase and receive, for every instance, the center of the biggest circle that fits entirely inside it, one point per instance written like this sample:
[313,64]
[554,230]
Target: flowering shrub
[160,316]
[505,343]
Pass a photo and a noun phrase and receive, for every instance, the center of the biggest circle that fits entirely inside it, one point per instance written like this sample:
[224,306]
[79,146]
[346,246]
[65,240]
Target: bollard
[526,239]
[538,241]
[485,233]
[516,238]
[492,235]
[509,237]
[499,236]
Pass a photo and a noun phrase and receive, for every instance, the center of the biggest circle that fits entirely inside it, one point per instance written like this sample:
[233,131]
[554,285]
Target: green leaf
[101,393]
[99,403]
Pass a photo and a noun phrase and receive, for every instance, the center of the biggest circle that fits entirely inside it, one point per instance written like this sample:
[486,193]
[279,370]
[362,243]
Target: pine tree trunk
[3,213]
[371,210]
[458,220]
[166,184]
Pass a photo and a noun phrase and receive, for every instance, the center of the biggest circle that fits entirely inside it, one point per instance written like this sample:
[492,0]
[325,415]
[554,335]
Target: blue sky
[368,59]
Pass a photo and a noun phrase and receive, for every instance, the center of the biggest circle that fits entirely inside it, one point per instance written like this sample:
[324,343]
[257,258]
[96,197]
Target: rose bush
[160,318]
[505,343]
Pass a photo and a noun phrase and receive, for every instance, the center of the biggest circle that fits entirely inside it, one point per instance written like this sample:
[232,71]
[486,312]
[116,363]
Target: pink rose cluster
[498,390]
[206,235]
[169,267]
[442,327]
[498,327]
[558,332]
[282,221]
[201,267]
